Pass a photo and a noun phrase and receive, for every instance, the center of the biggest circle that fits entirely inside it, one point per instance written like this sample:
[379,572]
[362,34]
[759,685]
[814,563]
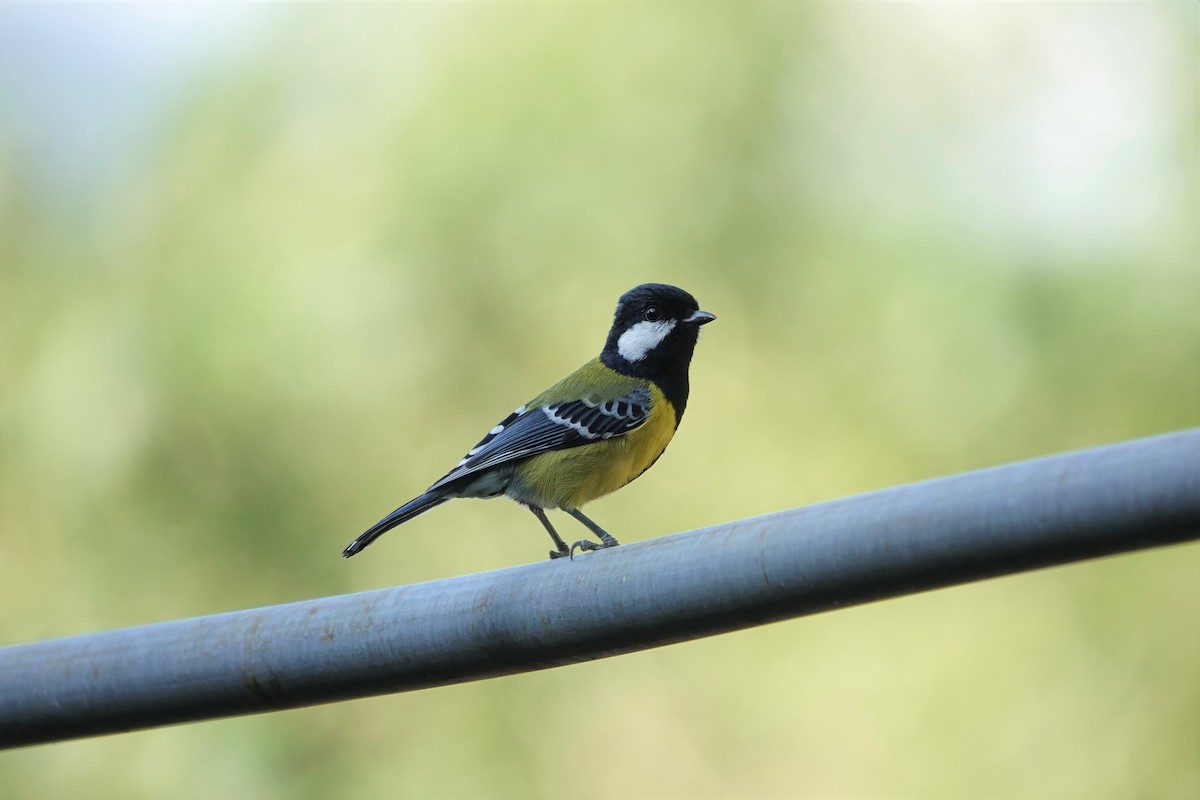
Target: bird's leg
[562,550]
[606,538]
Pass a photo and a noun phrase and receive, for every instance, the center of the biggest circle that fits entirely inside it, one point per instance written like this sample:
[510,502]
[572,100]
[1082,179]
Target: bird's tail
[402,514]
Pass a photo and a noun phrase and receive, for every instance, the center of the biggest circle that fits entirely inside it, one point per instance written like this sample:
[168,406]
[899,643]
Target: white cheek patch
[643,337]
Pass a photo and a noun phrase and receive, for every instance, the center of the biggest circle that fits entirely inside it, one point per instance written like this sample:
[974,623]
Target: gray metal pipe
[911,538]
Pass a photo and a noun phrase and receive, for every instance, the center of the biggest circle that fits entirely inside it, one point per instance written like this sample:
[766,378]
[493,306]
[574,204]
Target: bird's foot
[588,544]
[562,552]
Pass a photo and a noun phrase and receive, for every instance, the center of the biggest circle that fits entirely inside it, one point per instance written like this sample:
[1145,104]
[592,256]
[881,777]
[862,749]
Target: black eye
[652,314]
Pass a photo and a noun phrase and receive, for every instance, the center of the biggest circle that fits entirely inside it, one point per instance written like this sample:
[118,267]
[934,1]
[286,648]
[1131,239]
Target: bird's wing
[557,426]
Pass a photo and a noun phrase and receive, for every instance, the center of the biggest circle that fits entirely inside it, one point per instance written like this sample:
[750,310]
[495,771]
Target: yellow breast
[573,477]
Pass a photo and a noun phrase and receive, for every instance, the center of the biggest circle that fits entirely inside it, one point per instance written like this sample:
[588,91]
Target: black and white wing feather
[529,431]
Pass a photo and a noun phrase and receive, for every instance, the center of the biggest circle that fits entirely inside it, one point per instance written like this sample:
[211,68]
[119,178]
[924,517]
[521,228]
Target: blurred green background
[268,271]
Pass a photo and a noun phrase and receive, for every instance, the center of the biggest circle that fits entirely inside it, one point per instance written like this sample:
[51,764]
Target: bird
[591,433]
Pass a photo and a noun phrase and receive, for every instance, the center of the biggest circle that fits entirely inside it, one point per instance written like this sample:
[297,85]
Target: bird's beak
[700,318]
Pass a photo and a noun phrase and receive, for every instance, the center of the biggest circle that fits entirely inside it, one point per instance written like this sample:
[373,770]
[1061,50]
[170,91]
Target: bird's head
[654,329]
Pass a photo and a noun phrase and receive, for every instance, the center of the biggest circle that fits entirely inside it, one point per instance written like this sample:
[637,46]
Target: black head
[654,332]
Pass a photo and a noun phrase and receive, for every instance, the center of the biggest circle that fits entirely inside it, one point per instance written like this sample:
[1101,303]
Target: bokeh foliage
[344,254]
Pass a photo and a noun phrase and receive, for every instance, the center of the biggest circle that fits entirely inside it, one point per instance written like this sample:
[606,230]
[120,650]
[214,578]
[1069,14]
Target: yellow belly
[569,478]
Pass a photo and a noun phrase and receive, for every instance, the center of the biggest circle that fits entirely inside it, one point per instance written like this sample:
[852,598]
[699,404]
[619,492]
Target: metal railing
[1007,519]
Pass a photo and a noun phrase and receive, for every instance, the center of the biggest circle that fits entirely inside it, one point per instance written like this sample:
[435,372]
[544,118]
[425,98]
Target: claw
[588,544]
[561,553]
